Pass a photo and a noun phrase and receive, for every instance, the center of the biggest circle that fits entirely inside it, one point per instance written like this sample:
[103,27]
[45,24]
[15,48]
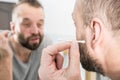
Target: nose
[34,29]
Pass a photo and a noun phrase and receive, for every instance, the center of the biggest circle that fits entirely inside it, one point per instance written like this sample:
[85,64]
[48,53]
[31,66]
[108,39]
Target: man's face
[29,26]
[88,61]
[31,42]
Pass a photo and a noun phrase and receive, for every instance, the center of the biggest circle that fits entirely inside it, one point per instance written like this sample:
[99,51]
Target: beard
[88,62]
[25,42]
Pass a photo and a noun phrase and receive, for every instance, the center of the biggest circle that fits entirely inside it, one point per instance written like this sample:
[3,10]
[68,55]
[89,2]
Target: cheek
[25,32]
[41,31]
[79,34]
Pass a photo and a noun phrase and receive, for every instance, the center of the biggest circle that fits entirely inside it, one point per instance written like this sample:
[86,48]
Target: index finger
[49,53]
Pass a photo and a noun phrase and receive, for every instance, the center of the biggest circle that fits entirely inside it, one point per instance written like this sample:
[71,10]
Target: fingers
[5,33]
[59,61]
[4,45]
[4,36]
[74,56]
[51,62]
[49,53]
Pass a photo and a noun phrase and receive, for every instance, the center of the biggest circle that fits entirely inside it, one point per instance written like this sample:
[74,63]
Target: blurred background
[58,25]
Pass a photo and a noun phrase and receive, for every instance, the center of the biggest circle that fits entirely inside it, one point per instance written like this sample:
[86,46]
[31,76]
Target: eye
[40,25]
[27,24]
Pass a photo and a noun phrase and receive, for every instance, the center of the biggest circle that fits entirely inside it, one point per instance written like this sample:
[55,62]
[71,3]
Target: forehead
[27,11]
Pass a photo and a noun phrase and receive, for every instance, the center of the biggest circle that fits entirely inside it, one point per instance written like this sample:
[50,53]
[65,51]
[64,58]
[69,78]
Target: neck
[113,62]
[21,52]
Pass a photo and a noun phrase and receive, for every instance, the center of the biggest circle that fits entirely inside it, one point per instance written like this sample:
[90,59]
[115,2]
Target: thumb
[74,56]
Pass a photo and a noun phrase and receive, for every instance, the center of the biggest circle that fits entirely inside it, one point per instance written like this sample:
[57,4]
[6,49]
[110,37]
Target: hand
[51,63]
[5,57]
[5,50]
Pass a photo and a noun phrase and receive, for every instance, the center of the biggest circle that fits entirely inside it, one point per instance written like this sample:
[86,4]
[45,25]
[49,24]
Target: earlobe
[96,27]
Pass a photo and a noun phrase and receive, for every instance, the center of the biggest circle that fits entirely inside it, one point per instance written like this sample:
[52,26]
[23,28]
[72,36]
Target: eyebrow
[27,19]
[41,20]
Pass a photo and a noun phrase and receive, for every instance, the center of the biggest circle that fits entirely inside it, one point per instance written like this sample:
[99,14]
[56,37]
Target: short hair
[33,3]
[107,10]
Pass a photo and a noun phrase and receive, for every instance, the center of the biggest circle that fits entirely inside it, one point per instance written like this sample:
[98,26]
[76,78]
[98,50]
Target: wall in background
[58,16]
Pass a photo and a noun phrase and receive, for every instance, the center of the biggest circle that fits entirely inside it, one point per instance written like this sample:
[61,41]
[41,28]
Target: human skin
[5,57]
[51,62]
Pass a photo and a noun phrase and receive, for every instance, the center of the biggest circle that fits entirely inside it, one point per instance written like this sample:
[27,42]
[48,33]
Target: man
[26,40]
[98,23]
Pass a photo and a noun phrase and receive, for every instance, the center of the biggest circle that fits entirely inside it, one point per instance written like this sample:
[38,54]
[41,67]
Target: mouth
[34,39]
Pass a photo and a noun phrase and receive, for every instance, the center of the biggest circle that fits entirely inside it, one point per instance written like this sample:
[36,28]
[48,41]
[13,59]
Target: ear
[96,26]
[12,27]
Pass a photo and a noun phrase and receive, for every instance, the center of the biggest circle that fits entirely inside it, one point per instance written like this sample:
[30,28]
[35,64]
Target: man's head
[27,23]
[98,23]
